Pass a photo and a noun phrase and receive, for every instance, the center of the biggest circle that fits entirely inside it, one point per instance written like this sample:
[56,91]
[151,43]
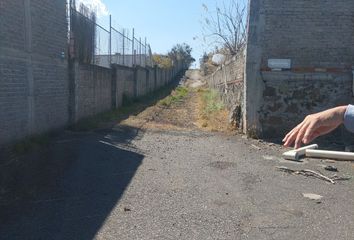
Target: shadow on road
[68,189]
[75,200]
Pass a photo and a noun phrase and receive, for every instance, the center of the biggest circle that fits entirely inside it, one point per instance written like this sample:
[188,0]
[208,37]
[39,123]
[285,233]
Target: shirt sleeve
[349,118]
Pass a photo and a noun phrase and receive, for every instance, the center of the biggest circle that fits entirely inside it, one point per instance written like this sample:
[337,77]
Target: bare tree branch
[226,25]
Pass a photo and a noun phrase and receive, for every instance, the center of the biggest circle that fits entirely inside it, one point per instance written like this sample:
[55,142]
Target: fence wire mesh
[107,46]
[102,47]
[121,48]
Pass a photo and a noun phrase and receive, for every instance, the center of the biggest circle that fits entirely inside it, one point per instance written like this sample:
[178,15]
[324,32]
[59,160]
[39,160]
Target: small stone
[331,168]
[268,157]
[127,209]
[312,196]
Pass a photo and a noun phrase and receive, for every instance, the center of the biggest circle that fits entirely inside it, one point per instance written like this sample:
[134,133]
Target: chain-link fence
[94,44]
[121,47]
[102,47]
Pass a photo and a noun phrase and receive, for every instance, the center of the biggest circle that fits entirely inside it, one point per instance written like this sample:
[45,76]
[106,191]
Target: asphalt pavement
[126,183]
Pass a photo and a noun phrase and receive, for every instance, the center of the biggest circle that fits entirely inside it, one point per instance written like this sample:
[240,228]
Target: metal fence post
[145,53]
[140,51]
[133,51]
[123,47]
[110,40]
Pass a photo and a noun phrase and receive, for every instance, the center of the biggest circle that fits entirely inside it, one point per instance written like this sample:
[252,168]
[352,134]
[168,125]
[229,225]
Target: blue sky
[163,22]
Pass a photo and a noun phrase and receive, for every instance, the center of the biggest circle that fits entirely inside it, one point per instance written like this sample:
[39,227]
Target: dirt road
[156,176]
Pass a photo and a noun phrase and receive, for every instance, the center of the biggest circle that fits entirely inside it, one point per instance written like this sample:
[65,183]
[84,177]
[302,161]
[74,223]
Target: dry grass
[184,109]
[212,114]
[176,96]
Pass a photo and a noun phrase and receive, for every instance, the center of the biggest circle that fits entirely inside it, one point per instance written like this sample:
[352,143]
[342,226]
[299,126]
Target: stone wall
[34,91]
[228,80]
[289,97]
[317,36]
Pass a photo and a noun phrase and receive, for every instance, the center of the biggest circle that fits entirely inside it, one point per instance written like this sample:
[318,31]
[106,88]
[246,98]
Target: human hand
[315,125]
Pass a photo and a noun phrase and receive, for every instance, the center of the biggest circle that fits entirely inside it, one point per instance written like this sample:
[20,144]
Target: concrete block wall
[150,79]
[99,89]
[34,91]
[126,76]
[158,77]
[39,90]
[125,83]
[93,90]
[141,82]
[317,36]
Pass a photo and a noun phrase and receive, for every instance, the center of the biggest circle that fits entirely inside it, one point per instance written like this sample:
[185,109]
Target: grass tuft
[176,96]
[212,103]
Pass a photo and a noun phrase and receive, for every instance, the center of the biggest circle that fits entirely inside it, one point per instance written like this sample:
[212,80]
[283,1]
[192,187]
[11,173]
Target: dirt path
[183,114]
[180,115]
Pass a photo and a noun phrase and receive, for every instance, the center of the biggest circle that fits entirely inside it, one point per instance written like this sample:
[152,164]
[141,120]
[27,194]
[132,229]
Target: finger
[290,140]
[309,135]
[300,135]
[288,134]
[291,132]
[291,136]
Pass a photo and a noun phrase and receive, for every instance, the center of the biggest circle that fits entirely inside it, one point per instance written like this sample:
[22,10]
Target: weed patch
[177,95]
[212,102]
[212,112]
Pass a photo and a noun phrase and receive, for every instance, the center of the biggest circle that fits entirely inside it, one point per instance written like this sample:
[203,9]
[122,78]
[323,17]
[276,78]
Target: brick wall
[14,110]
[317,33]
[12,25]
[318,37]
[33,76]
[228,79]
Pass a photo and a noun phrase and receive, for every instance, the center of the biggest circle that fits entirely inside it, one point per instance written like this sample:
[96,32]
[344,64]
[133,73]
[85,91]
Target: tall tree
[182,52]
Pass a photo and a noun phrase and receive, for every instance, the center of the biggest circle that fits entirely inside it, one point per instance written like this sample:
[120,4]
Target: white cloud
[96,5]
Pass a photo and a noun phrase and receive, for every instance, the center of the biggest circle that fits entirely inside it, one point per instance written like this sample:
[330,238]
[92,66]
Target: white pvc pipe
[348,156]
[296,154]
